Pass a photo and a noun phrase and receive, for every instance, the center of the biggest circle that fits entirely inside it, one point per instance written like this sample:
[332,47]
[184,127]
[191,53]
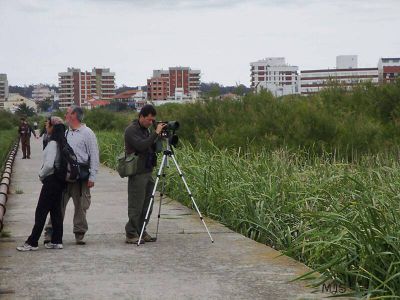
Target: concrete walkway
[182,264]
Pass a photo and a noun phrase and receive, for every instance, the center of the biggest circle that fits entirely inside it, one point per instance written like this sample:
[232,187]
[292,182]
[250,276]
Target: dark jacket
[141,141]
[25,130]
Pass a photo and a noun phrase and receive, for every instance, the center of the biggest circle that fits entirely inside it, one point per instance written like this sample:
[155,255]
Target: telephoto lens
[173,125]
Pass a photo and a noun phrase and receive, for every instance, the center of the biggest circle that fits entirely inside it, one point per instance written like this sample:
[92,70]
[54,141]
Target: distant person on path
[25,131]
[139,140]
[84,143]
[51,194]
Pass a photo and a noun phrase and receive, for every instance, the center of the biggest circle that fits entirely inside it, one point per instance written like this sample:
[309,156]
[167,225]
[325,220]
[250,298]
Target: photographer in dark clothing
[139,140]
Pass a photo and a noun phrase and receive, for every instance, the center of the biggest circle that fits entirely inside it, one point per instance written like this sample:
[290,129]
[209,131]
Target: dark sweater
[25,130]
[139,140]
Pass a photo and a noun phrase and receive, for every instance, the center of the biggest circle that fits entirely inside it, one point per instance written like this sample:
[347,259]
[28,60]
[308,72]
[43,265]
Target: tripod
[168,153]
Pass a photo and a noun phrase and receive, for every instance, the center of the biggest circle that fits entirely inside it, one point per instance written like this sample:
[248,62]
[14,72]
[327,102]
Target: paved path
[182,264]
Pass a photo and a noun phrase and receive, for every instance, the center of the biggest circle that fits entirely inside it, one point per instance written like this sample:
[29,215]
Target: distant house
[133,98]
[126,97]
[15,100]
[94,103]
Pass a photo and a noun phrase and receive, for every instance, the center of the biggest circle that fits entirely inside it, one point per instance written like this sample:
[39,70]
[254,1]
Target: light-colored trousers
[80,194]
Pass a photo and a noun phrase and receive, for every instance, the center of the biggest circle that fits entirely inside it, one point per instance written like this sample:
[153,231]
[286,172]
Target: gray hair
[79,112]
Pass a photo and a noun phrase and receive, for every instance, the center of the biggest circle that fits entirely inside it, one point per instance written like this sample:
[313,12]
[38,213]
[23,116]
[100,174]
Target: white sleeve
[48,160]
[93,150]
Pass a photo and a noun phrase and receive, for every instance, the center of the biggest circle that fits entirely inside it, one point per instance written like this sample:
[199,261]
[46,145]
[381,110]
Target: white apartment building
[347,74]
[275,75]
[3,90]
[41,93]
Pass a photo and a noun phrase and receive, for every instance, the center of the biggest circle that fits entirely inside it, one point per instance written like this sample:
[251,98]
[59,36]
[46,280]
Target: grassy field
[7,140]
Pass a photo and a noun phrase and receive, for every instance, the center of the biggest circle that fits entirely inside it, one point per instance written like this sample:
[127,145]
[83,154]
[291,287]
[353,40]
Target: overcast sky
[39,38]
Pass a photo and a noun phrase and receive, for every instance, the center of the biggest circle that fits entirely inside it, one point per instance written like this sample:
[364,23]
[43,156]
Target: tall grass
[111,144]
[338,217]
[341,219]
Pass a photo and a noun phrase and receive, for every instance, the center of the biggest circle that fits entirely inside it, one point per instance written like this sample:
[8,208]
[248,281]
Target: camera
[170,125]
[168,131]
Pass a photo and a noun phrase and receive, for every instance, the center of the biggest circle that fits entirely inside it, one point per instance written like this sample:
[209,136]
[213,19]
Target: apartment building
[3,90]
[275,75]
[175,83]
[76,87]
[388,69]
[103,83]
[41,93]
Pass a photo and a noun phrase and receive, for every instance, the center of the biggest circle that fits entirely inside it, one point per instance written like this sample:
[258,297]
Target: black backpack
[68,171]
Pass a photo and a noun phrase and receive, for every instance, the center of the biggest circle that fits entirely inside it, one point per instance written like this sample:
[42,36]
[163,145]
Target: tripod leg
[161,197]
[146,219]
[191,196]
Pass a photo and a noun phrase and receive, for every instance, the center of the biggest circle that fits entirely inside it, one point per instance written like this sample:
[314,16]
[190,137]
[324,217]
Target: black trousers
[49,201]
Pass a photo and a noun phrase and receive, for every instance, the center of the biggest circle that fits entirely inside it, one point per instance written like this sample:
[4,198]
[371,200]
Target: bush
[7,120]
[103,119]
[8,138]
[366,120]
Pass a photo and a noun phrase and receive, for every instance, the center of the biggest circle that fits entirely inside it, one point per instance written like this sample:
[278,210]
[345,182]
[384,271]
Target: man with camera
[141,141]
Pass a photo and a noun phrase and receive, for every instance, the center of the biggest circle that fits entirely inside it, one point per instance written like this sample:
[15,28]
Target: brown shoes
[133,240]
[148,238]
[79,238]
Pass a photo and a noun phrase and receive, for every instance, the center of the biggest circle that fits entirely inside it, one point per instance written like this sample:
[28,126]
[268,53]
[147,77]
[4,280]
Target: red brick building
[389,69]
[177,82]
[76,87]
[158,86]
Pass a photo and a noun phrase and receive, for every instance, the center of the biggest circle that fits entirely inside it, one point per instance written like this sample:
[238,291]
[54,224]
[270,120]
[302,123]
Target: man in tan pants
[84,143]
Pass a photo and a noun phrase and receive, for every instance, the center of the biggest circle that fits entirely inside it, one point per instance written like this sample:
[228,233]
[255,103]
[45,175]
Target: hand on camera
[160,127]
